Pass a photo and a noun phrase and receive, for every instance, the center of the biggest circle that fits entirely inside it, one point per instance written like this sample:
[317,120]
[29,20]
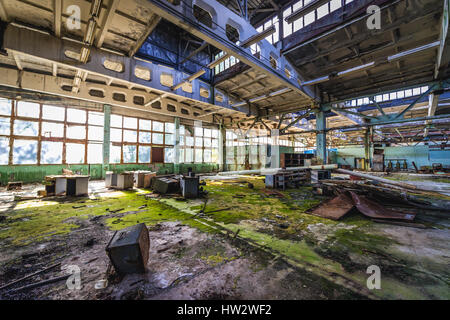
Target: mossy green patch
[244,203]
[37,220]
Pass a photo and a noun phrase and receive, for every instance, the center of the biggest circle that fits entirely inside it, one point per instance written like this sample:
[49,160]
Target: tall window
[199,145]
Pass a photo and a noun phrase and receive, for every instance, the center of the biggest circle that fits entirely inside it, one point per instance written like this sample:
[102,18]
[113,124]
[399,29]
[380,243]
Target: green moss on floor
[281,225]
[37,220]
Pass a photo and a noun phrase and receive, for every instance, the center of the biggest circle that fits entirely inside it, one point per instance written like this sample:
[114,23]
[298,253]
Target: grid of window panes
[132,139]
[288,28]
[199,145]
[224,65]
[407,93]
[47,134]
[275,37]
[320,12]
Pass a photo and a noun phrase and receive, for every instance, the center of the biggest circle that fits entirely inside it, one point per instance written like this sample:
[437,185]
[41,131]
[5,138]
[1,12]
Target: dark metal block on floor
[166,185]
[128,249]
[189,186]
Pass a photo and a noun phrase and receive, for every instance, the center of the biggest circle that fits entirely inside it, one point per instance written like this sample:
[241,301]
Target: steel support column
[367,149]
[176,161]
[222,148]
[275,149]
[321,137]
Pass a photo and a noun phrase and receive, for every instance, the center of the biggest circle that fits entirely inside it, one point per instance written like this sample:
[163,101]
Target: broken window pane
[114,154]
[5,126]
[145,137]
[76,132]
[26,128]
[116,135]
[96,118]
[75,115]
[74,153]
[129,154]
[51,152]
[130,135]
[158,138]
[199,142]
[27,109]
[53,113]
[95,133]
[168,155]
[130,123]
[5,107]
[116,121]
[144,154]
[4,150]
[95,153]
[207,142]
[25,152]
[158,126]
[52,130]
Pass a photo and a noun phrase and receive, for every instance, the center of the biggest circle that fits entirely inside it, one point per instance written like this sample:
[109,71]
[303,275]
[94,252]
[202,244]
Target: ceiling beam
[57,13]
[183,17]
[3,13]
[151,25]
[55,86]
[443,57]
[48,50]
[108,20]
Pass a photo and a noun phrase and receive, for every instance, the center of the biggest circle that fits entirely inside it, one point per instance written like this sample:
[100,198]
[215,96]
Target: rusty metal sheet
[373,209]
[335,208]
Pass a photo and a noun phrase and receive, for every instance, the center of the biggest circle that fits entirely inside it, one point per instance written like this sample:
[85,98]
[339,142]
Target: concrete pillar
[176,161]
[222,148]
[321,137]
[106,137]
[275,149]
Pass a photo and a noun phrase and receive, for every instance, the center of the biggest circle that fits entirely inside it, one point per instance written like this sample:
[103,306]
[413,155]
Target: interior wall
[421,155]
[37,173]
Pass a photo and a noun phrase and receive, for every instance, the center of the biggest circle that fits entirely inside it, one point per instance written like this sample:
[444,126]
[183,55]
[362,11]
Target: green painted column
[321,137]
[367,149]
[222,148]
[176,161]
[106,137]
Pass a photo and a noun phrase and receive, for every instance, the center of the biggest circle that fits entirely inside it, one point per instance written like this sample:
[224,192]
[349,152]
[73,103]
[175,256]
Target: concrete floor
[261,247]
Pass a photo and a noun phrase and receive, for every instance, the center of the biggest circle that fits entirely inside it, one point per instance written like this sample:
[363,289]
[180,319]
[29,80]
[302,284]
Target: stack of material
[287,179]
[380,199]
[340,205]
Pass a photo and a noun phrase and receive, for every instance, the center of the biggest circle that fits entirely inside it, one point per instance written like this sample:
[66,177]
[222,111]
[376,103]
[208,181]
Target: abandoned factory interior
[224,150]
